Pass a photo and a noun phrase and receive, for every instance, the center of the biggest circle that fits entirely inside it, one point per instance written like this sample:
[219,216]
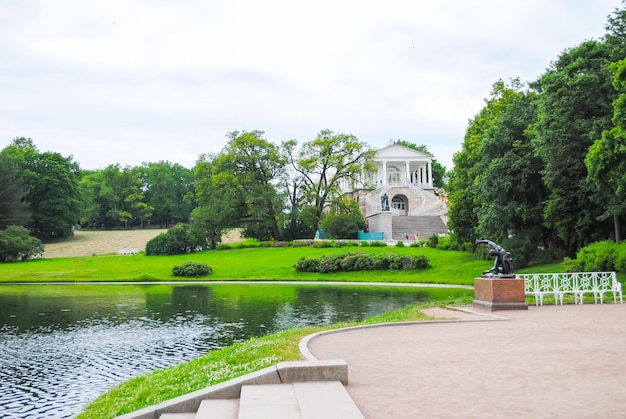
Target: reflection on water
[62,346]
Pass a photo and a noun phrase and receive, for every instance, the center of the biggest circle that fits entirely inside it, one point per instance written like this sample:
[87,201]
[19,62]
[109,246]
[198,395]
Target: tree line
[270,191]
[545,164]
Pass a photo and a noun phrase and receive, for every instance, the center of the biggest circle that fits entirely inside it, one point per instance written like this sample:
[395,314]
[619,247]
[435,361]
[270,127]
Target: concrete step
[308,400]
[218,409]
[424,226]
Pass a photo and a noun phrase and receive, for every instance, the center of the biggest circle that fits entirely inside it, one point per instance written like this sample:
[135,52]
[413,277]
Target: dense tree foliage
[13,208]
[244,179]
[606,160]
[574,108]
[169,197]
[51,188]
[544,166]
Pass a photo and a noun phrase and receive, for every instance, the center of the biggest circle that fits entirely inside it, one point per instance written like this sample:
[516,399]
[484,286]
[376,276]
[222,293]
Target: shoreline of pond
[250,282]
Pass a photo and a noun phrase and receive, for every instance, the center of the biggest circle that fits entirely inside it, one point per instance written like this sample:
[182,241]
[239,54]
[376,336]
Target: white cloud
[127,82]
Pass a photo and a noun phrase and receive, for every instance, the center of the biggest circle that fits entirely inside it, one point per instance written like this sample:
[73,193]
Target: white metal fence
[575,283]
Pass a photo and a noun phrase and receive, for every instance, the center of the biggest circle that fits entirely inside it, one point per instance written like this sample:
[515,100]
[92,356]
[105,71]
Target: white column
[430,174]
[384,173]
[408,173]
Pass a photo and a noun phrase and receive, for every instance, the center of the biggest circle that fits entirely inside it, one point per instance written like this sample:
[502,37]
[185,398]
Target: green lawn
[448,267]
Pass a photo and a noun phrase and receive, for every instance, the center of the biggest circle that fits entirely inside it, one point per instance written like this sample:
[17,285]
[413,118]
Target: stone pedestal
[381,222]
[499,294]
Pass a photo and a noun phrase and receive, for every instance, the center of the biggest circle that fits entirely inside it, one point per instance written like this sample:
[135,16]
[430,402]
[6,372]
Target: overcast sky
[134,81]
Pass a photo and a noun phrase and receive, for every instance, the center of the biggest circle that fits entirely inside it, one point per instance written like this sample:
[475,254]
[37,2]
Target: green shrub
[433,241]
[359,261]
[620,257]
[599,256]
[570,265]
[223,246]
[302,243]
[192,269]
[16,244]
[444,243]
[179,239]
[377,244]
[321,244]
[344,222]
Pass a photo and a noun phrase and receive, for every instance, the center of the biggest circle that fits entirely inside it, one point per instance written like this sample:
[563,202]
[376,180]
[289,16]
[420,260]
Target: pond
[62,346]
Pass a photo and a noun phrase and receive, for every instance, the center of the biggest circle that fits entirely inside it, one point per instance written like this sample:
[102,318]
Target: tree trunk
[617,223]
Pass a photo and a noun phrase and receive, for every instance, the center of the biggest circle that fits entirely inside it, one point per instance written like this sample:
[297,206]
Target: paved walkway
[548,362]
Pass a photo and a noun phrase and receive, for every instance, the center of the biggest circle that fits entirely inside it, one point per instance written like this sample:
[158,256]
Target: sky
[133,81]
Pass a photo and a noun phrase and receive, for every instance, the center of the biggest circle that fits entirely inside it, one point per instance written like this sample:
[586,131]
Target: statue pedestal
[499,294]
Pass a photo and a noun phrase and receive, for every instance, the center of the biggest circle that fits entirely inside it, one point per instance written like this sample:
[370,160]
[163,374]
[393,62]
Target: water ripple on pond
[47,373]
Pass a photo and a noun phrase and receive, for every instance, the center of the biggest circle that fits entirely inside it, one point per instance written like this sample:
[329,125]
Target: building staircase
[424,226]
[426,214]
[305,400]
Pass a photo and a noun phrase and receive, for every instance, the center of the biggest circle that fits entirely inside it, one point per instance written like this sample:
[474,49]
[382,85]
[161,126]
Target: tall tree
[606,160]
[574,108]
[13,208]
[215,207]
[54,196]
[169,191]
[244,179]
[509,185]
[51,184]
[327,161]
[462,187]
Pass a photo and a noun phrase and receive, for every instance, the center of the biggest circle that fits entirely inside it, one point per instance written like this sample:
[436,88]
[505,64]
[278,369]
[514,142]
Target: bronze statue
[384,202]
[502,265]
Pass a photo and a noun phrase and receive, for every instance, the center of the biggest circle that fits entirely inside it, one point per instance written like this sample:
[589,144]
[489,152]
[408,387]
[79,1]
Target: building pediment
[400,152]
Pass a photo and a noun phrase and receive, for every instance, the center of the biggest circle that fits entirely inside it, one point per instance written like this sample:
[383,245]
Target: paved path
[548,362]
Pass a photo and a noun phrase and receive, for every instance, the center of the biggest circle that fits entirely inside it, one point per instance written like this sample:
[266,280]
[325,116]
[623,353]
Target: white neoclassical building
[397,165]
[399,197]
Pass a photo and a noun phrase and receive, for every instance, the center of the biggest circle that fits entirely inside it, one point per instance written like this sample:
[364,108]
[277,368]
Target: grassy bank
[219,366]
[448,267]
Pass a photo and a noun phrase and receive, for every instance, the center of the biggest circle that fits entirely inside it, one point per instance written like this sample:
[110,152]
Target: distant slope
[89,243]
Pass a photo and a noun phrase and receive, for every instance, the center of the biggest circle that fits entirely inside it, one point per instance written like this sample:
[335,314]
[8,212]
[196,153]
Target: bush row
[359,261]
[319,244]
[599,256]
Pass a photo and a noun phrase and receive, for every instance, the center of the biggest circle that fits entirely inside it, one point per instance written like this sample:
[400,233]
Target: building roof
[400,152]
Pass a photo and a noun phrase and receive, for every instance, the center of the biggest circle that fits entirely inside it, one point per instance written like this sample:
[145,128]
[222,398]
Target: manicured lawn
[448,267]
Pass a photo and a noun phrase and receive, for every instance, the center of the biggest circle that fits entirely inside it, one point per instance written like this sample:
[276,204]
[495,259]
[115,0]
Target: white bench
[128,251]
[576,283]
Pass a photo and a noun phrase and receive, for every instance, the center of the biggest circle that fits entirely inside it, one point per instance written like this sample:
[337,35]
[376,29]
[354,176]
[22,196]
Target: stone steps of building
[305,400]
[424,226]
